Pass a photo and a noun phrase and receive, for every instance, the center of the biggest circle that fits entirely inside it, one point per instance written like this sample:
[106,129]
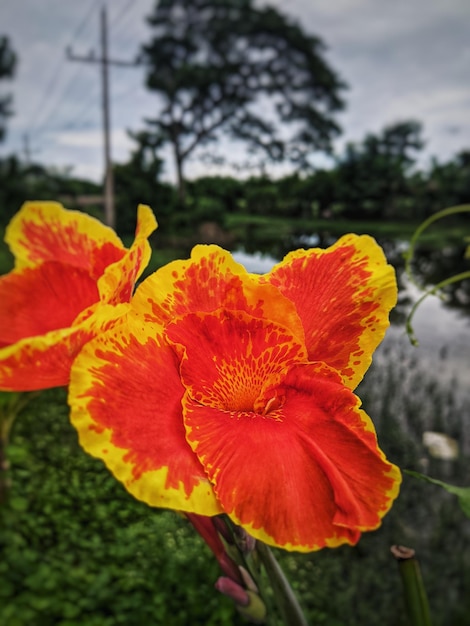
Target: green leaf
[462,493]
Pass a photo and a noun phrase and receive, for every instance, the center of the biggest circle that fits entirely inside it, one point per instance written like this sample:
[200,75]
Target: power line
[71,84]
[51,84]
[84,22]
[105,62]
[120,15]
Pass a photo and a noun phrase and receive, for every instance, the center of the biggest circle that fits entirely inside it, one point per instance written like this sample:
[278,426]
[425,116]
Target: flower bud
[233,590]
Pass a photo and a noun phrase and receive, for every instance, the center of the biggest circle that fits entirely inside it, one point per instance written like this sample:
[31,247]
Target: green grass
[77,549]
[276,227]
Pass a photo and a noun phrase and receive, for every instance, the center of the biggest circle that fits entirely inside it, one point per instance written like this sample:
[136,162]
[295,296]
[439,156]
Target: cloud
[402,59]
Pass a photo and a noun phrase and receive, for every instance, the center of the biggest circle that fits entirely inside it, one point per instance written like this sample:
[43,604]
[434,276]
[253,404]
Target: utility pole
[105,62]
[28,152]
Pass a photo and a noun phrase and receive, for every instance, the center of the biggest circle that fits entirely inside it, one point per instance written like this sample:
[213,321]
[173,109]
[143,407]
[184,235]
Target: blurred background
[262,127]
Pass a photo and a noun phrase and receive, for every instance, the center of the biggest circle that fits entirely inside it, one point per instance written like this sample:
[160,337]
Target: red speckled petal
[125,398]
[34,301]
[230,356]
[45,360]
[208,280]
[45,231]
[343,296]
[305,473]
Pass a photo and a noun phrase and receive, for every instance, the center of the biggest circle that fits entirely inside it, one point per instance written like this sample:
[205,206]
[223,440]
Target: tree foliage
[374,175]
[7,68]
[226,66]
[138,182]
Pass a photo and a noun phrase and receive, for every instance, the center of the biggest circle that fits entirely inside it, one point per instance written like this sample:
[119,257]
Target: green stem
[416,600]
[463,208]
[432,292]
[284,595]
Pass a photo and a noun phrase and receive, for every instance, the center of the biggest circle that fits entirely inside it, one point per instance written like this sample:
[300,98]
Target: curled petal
[117,283]
[125,397]
[305,475]
[211,279]
[343,296]
[45,231]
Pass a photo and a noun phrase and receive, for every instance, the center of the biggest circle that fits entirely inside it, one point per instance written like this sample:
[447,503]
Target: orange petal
[50,308]
[118,281]
[45,231]
[230,356]
[208,280]
[36,300]
[304,475]
[125,398]
[343,296]
[45,360]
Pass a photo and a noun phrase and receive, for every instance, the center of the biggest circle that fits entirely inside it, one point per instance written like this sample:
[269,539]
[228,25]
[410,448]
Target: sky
[406,59]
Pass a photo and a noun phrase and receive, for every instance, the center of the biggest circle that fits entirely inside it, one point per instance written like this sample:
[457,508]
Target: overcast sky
[402,59]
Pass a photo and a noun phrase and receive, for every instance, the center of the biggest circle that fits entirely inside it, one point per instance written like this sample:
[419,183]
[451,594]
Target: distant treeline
[375,179]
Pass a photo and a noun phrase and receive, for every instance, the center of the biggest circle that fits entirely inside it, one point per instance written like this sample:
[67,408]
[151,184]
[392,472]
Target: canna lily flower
[228,392]
[71,280]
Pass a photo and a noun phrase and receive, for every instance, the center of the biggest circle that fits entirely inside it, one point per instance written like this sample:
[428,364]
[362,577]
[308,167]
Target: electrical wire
[35,126]
[117,18]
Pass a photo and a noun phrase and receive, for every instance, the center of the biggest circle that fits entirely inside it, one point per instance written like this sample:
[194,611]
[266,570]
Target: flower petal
[306,475]
[208,280]
[230,356]
[125,398]
[118,281]
[44,361]
[343,296]
[46,231]
[36,300]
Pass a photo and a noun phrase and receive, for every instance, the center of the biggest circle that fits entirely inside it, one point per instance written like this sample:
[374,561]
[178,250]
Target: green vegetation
[77,549]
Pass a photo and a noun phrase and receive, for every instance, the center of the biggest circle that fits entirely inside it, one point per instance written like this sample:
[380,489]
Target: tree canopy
[374,174]
[226,66]
[7,68]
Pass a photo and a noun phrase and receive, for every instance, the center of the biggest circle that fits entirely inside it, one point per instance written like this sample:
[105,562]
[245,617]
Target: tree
[227,67]
[138,181]
[449,183]
[7,68]
[374,175]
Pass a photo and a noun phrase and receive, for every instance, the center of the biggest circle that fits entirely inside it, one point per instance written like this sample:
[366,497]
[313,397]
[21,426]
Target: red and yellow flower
[228,392]
[71,278]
